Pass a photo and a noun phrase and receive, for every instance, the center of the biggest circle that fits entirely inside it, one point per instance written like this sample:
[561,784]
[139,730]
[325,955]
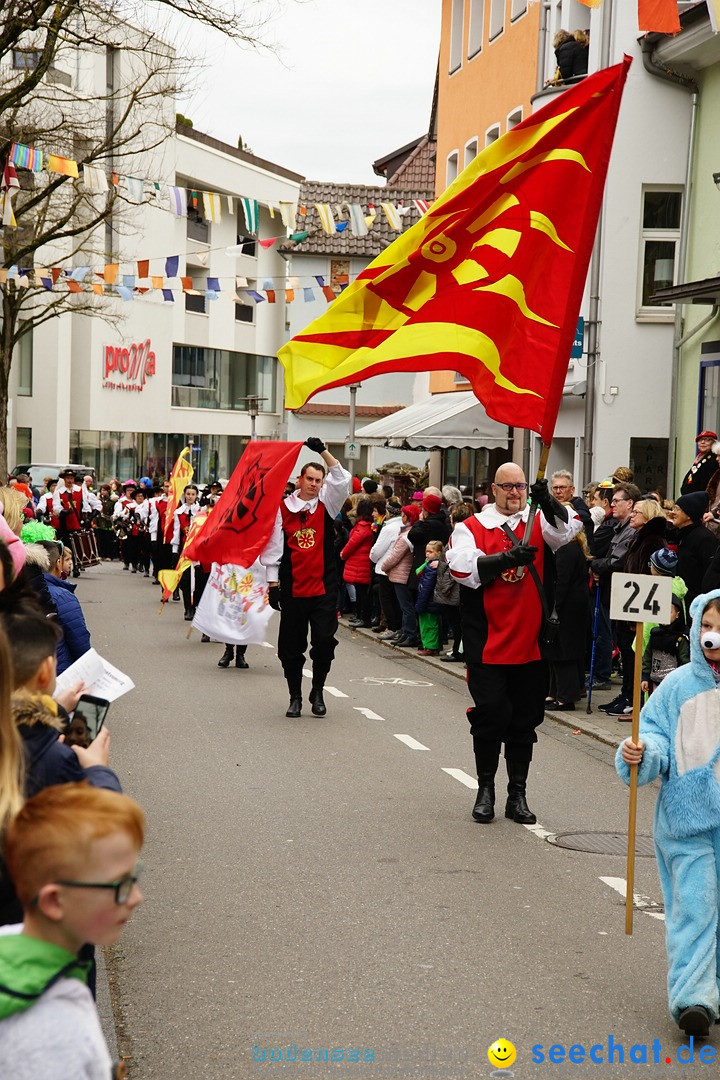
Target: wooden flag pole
[542,465]
[632,806]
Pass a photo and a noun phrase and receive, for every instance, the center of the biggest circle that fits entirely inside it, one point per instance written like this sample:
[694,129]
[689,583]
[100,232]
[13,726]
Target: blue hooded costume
[680,726]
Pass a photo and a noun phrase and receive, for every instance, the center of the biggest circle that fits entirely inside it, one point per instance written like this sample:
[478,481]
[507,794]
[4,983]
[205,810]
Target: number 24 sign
[640,598]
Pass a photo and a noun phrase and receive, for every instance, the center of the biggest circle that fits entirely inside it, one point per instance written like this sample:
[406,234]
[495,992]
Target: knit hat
[411,511]
[394,508]
[665,561]
[706,435]
[356,485]
[417,496]
[694,505]
[129,483]
[432,503]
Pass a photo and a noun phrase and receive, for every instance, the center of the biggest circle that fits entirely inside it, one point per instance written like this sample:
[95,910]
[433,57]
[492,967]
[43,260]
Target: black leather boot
[295,707]
[316,700]
[226,657]
[484,808]
[516,806]
[240,660]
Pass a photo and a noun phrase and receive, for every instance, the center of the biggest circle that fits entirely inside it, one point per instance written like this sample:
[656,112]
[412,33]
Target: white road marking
[307,674]
[374,680]
[334,691]
[412,743]
[266,644]
[543,834]
[463,777]
[368,713]
[640,903]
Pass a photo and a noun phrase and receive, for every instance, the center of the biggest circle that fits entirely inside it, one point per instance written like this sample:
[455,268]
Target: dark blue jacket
[426,588]
[49,761]
[76,636]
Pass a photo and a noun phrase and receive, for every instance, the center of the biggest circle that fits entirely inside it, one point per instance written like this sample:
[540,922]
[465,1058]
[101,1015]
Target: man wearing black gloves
[502,615]
[300,563]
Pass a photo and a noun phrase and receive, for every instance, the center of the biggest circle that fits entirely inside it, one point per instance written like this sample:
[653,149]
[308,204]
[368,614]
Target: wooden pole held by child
[632,807]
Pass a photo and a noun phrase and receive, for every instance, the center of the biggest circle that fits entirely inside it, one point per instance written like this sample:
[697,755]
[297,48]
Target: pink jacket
[398,563]
[356,554]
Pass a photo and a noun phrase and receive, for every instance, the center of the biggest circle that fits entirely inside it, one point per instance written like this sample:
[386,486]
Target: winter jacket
[671,640]
[572,59]
[76,636]
[49,1025]
[651,537]
[356,553]
[696,547]
[615,558]
[433,527]
[572,600]
[447,589]
[699,474]
[37,563]
[582,510]
[397,564]
[384,542]
[427,577]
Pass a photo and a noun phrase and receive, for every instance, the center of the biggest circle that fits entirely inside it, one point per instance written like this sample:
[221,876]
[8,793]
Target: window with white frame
[492,134]
[456,34]
[475,33]
[660,236]
[451,168]
[471,150]
[497,18]
[514,119]
[24,365]
[518,8]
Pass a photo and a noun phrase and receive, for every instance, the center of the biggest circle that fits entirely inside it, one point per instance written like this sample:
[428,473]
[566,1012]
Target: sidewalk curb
[595,726]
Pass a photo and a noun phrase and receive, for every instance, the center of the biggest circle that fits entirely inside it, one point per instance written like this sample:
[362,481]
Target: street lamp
[253,403]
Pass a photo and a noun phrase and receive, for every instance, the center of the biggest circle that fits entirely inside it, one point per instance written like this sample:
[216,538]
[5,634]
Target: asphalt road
[320,883]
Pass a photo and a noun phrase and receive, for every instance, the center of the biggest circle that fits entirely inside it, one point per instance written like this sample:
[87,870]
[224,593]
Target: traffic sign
[352,451]
[640,598]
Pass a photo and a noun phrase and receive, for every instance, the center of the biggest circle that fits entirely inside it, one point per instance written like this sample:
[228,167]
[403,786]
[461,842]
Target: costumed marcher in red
[70,502]
[502,616]
[700,473]
[183,517]
[302,574]
[44,510]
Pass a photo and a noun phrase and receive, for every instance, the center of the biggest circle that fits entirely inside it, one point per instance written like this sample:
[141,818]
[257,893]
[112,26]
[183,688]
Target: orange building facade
[487,76]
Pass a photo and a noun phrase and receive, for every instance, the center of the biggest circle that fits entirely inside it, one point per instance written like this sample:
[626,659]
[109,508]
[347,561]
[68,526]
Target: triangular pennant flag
[202,257]
[298,237]
[56,272]
[267,243]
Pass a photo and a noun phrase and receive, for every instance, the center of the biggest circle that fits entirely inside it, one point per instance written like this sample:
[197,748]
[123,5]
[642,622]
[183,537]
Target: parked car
[37,473]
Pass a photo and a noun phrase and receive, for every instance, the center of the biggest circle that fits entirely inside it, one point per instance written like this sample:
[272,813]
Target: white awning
[456,419]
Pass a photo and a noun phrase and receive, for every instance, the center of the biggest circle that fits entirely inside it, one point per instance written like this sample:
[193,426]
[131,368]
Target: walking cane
[594,645]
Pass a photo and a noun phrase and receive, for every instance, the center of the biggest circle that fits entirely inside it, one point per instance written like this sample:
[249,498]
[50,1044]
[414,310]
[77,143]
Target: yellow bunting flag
[62,165]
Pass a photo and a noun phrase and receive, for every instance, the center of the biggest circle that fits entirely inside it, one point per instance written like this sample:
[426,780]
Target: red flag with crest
[490,280]
[243,519]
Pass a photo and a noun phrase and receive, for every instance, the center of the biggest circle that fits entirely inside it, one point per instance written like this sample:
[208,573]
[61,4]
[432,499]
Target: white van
[37,473]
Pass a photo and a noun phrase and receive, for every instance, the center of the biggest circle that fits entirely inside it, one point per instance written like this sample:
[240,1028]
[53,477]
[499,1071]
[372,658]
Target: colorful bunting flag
[250,210]
[393,218]
[422,206]
[143,268]
[62,165]
[267,243]
[658,16]
[326,218]
[178,200]
[26,158]
[256,296]
[168,295]
[94,179]
[490,281]
[98,288]
[308,295]
[171,265]
[288,213]
[211,207]
[157,281]
[357,220]
[298,237]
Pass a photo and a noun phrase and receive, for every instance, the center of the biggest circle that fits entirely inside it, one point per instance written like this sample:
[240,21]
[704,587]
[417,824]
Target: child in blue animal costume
[680,742]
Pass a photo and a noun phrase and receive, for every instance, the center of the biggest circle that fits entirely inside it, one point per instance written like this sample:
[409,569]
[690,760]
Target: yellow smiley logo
[501,1054]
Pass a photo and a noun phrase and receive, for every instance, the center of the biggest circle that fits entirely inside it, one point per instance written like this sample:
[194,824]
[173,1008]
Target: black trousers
[509,706]
[200,582]
[389,602]
[298,615]
[625,638]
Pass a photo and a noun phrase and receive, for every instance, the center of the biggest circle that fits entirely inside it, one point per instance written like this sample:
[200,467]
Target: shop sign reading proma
[127,367]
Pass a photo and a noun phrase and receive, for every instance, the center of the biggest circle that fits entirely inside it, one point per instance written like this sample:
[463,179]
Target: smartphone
[86,721]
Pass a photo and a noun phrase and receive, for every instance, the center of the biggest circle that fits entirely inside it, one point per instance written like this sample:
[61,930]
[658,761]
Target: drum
[84,548]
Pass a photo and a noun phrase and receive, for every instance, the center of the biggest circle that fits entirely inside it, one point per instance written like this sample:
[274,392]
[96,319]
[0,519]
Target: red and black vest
[307,567]
[165,532]
[72,507]
[505,616]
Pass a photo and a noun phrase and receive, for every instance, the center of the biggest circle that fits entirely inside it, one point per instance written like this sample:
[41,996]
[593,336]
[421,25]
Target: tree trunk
[7,334]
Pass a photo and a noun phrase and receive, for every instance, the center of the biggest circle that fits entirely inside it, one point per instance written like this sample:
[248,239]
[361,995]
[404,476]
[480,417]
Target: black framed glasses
[123,886]
[522,486]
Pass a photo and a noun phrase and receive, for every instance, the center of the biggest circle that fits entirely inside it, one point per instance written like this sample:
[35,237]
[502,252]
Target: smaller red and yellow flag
[181,475]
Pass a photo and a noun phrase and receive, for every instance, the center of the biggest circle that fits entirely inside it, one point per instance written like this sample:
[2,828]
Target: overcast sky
[351,80]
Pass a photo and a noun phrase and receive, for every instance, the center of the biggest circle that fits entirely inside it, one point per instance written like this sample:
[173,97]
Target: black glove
[490,567]
[553,511]
[315,444]
[274,597]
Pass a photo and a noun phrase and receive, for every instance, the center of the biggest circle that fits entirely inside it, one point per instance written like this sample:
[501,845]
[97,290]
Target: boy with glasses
[73,853]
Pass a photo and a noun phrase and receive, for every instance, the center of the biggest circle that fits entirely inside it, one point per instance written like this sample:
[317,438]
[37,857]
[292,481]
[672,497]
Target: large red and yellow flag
[489,282]
[245,513]
[181,475]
